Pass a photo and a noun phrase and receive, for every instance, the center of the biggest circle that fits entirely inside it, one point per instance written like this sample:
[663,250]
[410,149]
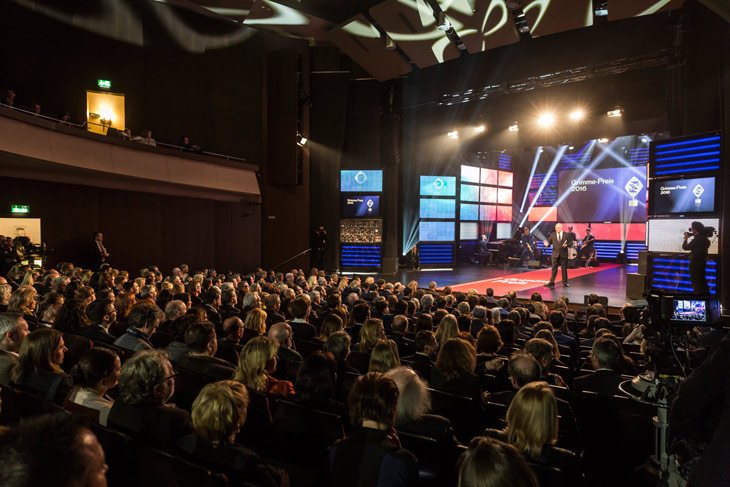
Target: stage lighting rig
[616,112]
[546,120]
[453,134]
[577,114]
[515,127]
[301,140]
[480,128]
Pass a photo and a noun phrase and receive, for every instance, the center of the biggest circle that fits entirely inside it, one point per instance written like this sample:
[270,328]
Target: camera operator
[698,247]
[699,420]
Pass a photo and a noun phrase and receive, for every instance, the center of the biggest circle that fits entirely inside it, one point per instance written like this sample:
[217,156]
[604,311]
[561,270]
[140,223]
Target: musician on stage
[560,241]
[483,254]
[587,245]
[528,242]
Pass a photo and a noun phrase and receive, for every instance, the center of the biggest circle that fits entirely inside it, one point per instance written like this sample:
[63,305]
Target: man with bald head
[283,334]
[560,242]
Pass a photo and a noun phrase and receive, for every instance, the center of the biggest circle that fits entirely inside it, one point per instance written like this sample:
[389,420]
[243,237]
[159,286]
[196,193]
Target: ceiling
[389,37]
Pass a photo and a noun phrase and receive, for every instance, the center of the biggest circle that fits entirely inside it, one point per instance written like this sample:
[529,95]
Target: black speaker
[533,264]
[643,262]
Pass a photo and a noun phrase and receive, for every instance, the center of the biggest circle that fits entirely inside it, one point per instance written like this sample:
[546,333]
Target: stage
[607,280]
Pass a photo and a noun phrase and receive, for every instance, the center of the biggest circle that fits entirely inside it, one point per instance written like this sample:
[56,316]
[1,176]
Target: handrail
[292,258]
[163,144]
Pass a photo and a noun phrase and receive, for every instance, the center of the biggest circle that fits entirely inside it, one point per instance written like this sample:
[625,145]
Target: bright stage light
[577,114]
[514,127]
[453,134]
[546,120]
[603,140]
[616,112]
[480,128]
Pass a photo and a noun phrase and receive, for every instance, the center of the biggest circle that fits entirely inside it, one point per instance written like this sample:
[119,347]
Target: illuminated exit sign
[19,209]
[104,83]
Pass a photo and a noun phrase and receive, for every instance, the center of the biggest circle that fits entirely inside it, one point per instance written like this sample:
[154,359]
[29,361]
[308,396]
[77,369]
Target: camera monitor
[693,310]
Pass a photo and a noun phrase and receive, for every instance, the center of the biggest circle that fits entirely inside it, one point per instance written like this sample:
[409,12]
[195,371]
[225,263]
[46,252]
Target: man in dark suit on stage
[560,241]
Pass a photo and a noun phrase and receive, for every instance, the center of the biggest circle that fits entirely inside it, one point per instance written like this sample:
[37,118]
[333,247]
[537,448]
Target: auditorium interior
[445,222]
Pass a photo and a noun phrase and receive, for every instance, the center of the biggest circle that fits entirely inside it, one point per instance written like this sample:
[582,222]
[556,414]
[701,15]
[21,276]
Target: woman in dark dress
[218,413]
[38,370]
[454,370]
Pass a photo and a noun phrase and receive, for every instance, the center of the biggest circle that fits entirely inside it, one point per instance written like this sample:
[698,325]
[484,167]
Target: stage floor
[610,282]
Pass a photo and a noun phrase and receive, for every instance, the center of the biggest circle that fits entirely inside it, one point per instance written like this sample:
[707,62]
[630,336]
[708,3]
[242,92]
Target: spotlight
[603,140]
[616,112]
[570,147]
[546,120]
[480,128]
[514,127]
[453,134]
[577,114]
[301,140]
[444,23]
[645,139]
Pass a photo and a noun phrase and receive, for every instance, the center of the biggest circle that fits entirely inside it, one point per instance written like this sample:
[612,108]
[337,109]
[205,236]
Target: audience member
[143,322]
[200,339]
[13,331]
[492,463]
[371,333]
[384,356]
[101,314]
[454,370]
[229,346]
[38,370]
[604,380]
[96,373]
[257,363]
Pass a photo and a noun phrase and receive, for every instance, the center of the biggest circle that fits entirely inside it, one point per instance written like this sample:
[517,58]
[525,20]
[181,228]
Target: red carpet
[525,280]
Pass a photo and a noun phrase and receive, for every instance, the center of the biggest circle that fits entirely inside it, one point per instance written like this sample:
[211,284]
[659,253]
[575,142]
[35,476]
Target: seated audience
[399,328]
[145,137]
[177,349]
[254,326]
[532,427]
[96,373]
[425,349]
[414,404]
[218,414]
[229,346]
[49,307]
[544,352]
[202,345]
[257,363]
[338,344]
[23,300]
[372,454]
[384,356]
[282,333]
[604,380]
[493,463]
[300,325]
[38,370]
[51,449]
[447,328]
[331,324]
[143,321]
[370,334]
[146,383]
[101,314]
[315,383]
[13,330]
[454,370]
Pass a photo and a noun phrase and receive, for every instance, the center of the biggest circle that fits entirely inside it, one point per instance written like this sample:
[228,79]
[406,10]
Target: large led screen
[681,196]
[437,208]
[470,174]
[469,192]
[538,213]
[489,176]
[603,195]
[505,178]
[488,194]
[354,206]
[504,231]
[504,213]
[436,231]
[361,181]
[468,231]
[468,212]
[504,196]
[667,235]
[487,213]
[438,186]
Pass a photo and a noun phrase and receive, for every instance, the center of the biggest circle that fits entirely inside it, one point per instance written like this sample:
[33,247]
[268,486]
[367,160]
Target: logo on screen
[633,187]
[370,205]
[439,183]
[698,192]
[361,177]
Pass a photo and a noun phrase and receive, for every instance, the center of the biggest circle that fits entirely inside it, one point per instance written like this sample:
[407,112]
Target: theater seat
[119,451]
[160,469]
[307,347]
[436,460]
[87,414]
[187,387]
[361,361]
[466,418]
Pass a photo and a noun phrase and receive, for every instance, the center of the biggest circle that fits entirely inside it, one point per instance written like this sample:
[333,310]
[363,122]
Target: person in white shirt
[96,373]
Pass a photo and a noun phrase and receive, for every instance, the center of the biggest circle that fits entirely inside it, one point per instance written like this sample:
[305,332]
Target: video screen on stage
[469,193]
[355,206]
[681,196]
[436,231]
[603,195]
[468,212]
[539,213]
[468,231]
[438,186]
[487,213]
[437,208]
[488,194]
[361,181]
[470,174]
[504,214]
[504,231]
[668,235]
[506,178]
[489,176]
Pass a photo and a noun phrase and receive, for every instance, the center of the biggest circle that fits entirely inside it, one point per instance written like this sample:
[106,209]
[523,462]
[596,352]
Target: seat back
[257,432]
[423,370]
[361,361]
[87,414]
[160,469]
[119,451]
[303,435]
[187,387]
[29,405]
[308,347]
[467,418]
[348,380]
[495,415]
[435,467]
[77,346]
[548,476]
[561,392]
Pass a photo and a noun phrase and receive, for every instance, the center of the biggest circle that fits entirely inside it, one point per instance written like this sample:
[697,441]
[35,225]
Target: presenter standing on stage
[560,241]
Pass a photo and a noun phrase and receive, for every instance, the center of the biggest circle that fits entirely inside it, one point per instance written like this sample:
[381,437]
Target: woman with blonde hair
[332,324]
[38,370]
[254,326]
[532,427]
[448,328]
[384,356]
[23,301]
[256,362]
[342,284]
[49,308]
[371,333]
[546,334]
[218,413]
[454,369]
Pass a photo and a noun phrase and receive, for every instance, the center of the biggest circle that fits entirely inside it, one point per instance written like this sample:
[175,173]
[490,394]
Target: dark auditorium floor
[610,283]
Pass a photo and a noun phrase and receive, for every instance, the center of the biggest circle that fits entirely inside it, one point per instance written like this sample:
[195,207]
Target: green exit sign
[104,83]
[19,208]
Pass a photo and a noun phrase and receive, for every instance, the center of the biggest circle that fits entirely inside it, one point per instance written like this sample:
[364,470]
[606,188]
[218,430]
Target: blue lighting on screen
[469,212]
[364,181]
[469,193]
[438,186]
[437,208]
[436,231]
